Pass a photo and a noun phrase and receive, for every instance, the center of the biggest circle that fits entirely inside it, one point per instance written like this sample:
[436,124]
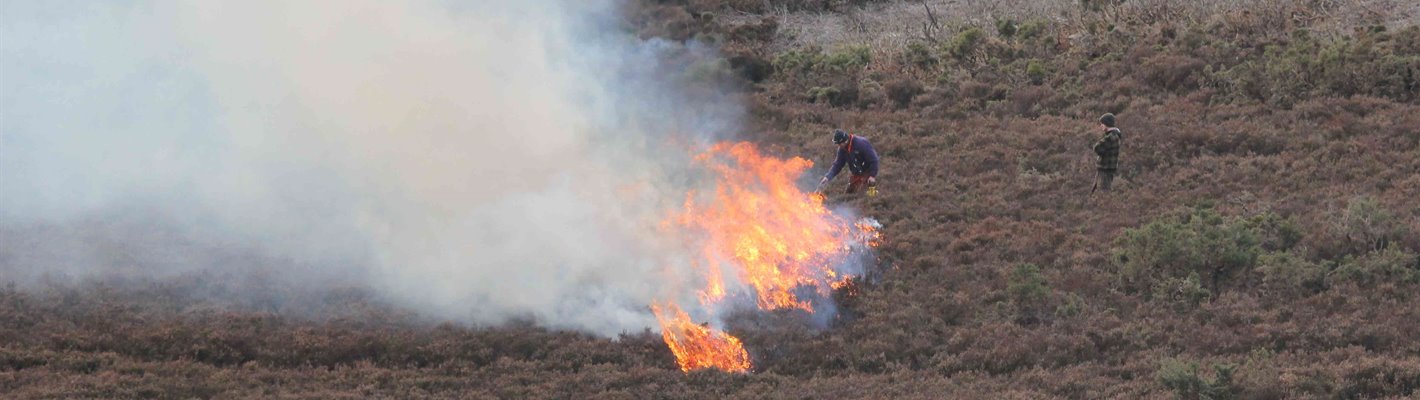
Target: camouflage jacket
[1108,150]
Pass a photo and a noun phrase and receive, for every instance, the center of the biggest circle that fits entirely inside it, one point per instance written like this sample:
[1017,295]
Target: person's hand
[872,180]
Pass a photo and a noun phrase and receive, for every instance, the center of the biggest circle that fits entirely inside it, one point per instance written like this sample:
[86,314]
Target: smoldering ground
[478,161]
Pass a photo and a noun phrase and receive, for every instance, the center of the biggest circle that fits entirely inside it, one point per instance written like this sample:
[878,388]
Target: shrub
[837,95]
[964,45]
[1028,292]
[1027,286]
[752,68]
[871,93]
[710,72]
[1191,241]
[1028,101]
[1070,305]
[1035,71]
[822,94]
[1304,66]
[1182,294]
[798,61]
[919,55]
[902,91]
[812,61]
[980,91]
[1032,29]
[1276,232]
[1389,265]
[1291,272]
[849,59]
[1006,28]
[1183,378]
[1365,225]
[1173,72]
[761,32]
[1098,5]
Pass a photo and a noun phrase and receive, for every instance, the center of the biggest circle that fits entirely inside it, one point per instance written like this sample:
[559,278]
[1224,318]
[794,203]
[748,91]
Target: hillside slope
[1261,241]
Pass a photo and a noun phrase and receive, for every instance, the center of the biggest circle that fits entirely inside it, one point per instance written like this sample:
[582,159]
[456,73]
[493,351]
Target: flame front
[758,229]
[697,346]
[775,237]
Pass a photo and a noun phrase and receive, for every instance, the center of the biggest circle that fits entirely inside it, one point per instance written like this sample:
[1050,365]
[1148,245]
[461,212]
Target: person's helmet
[839,136]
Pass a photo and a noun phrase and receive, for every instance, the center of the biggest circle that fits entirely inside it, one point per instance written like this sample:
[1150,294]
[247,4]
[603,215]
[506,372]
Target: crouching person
[862,161]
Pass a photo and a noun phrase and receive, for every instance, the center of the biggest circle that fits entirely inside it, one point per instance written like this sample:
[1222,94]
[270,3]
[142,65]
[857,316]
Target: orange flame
[696,346]
[759,229]
[775,237]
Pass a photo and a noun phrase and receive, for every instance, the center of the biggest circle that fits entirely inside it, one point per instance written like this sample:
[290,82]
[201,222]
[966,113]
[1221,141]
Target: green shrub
[1374,64]
[1191,241]
[1183,378]
[871,93]
[1366,226]
[1028,292]
[1027,286]
[1289,270]
[920,55]
[837,95]
[964,45]
[1181,294]
[1389,265]
[822,94]
[798,61]
[812,60]
[1276,232]
[849,58]
[1006,28]
[1032,29]
[1070,305]
[1035,70]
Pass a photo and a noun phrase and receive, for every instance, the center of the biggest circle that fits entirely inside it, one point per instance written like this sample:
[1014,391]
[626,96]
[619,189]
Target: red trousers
[857,183]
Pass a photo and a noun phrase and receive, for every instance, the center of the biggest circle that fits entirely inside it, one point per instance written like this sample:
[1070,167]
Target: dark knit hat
[1107,120]
[839,136]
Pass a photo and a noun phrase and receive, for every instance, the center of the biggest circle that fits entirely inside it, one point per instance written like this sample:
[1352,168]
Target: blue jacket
[862,160]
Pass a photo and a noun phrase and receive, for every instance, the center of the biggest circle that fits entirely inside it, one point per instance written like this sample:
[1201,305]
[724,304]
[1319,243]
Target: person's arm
[1110,144]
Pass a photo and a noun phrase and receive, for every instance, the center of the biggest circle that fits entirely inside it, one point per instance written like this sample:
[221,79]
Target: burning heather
[470,163]
[697,346]
[757,233]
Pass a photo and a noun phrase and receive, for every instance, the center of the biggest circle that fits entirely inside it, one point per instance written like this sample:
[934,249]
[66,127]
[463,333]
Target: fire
[772,236]
[697,346]
[756,229]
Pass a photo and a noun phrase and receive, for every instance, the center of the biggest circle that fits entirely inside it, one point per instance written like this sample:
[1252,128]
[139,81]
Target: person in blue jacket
[862,161]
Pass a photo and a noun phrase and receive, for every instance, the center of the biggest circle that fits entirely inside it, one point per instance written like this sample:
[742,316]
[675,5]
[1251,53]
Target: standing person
[1107,148]
[862,161]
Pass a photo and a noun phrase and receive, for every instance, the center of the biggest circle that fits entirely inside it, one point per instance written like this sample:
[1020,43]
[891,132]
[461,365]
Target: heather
[1262,240]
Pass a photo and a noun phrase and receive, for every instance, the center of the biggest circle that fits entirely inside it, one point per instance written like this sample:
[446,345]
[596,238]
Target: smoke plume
[477,161]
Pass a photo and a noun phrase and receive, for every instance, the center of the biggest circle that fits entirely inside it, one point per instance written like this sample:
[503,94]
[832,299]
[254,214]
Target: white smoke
[477,161]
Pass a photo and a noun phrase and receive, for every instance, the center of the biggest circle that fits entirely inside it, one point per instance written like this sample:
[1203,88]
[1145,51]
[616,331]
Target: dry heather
[1261,243]
[889,26]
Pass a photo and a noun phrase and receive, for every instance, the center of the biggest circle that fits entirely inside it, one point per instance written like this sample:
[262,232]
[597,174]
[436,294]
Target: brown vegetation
[1261,242]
